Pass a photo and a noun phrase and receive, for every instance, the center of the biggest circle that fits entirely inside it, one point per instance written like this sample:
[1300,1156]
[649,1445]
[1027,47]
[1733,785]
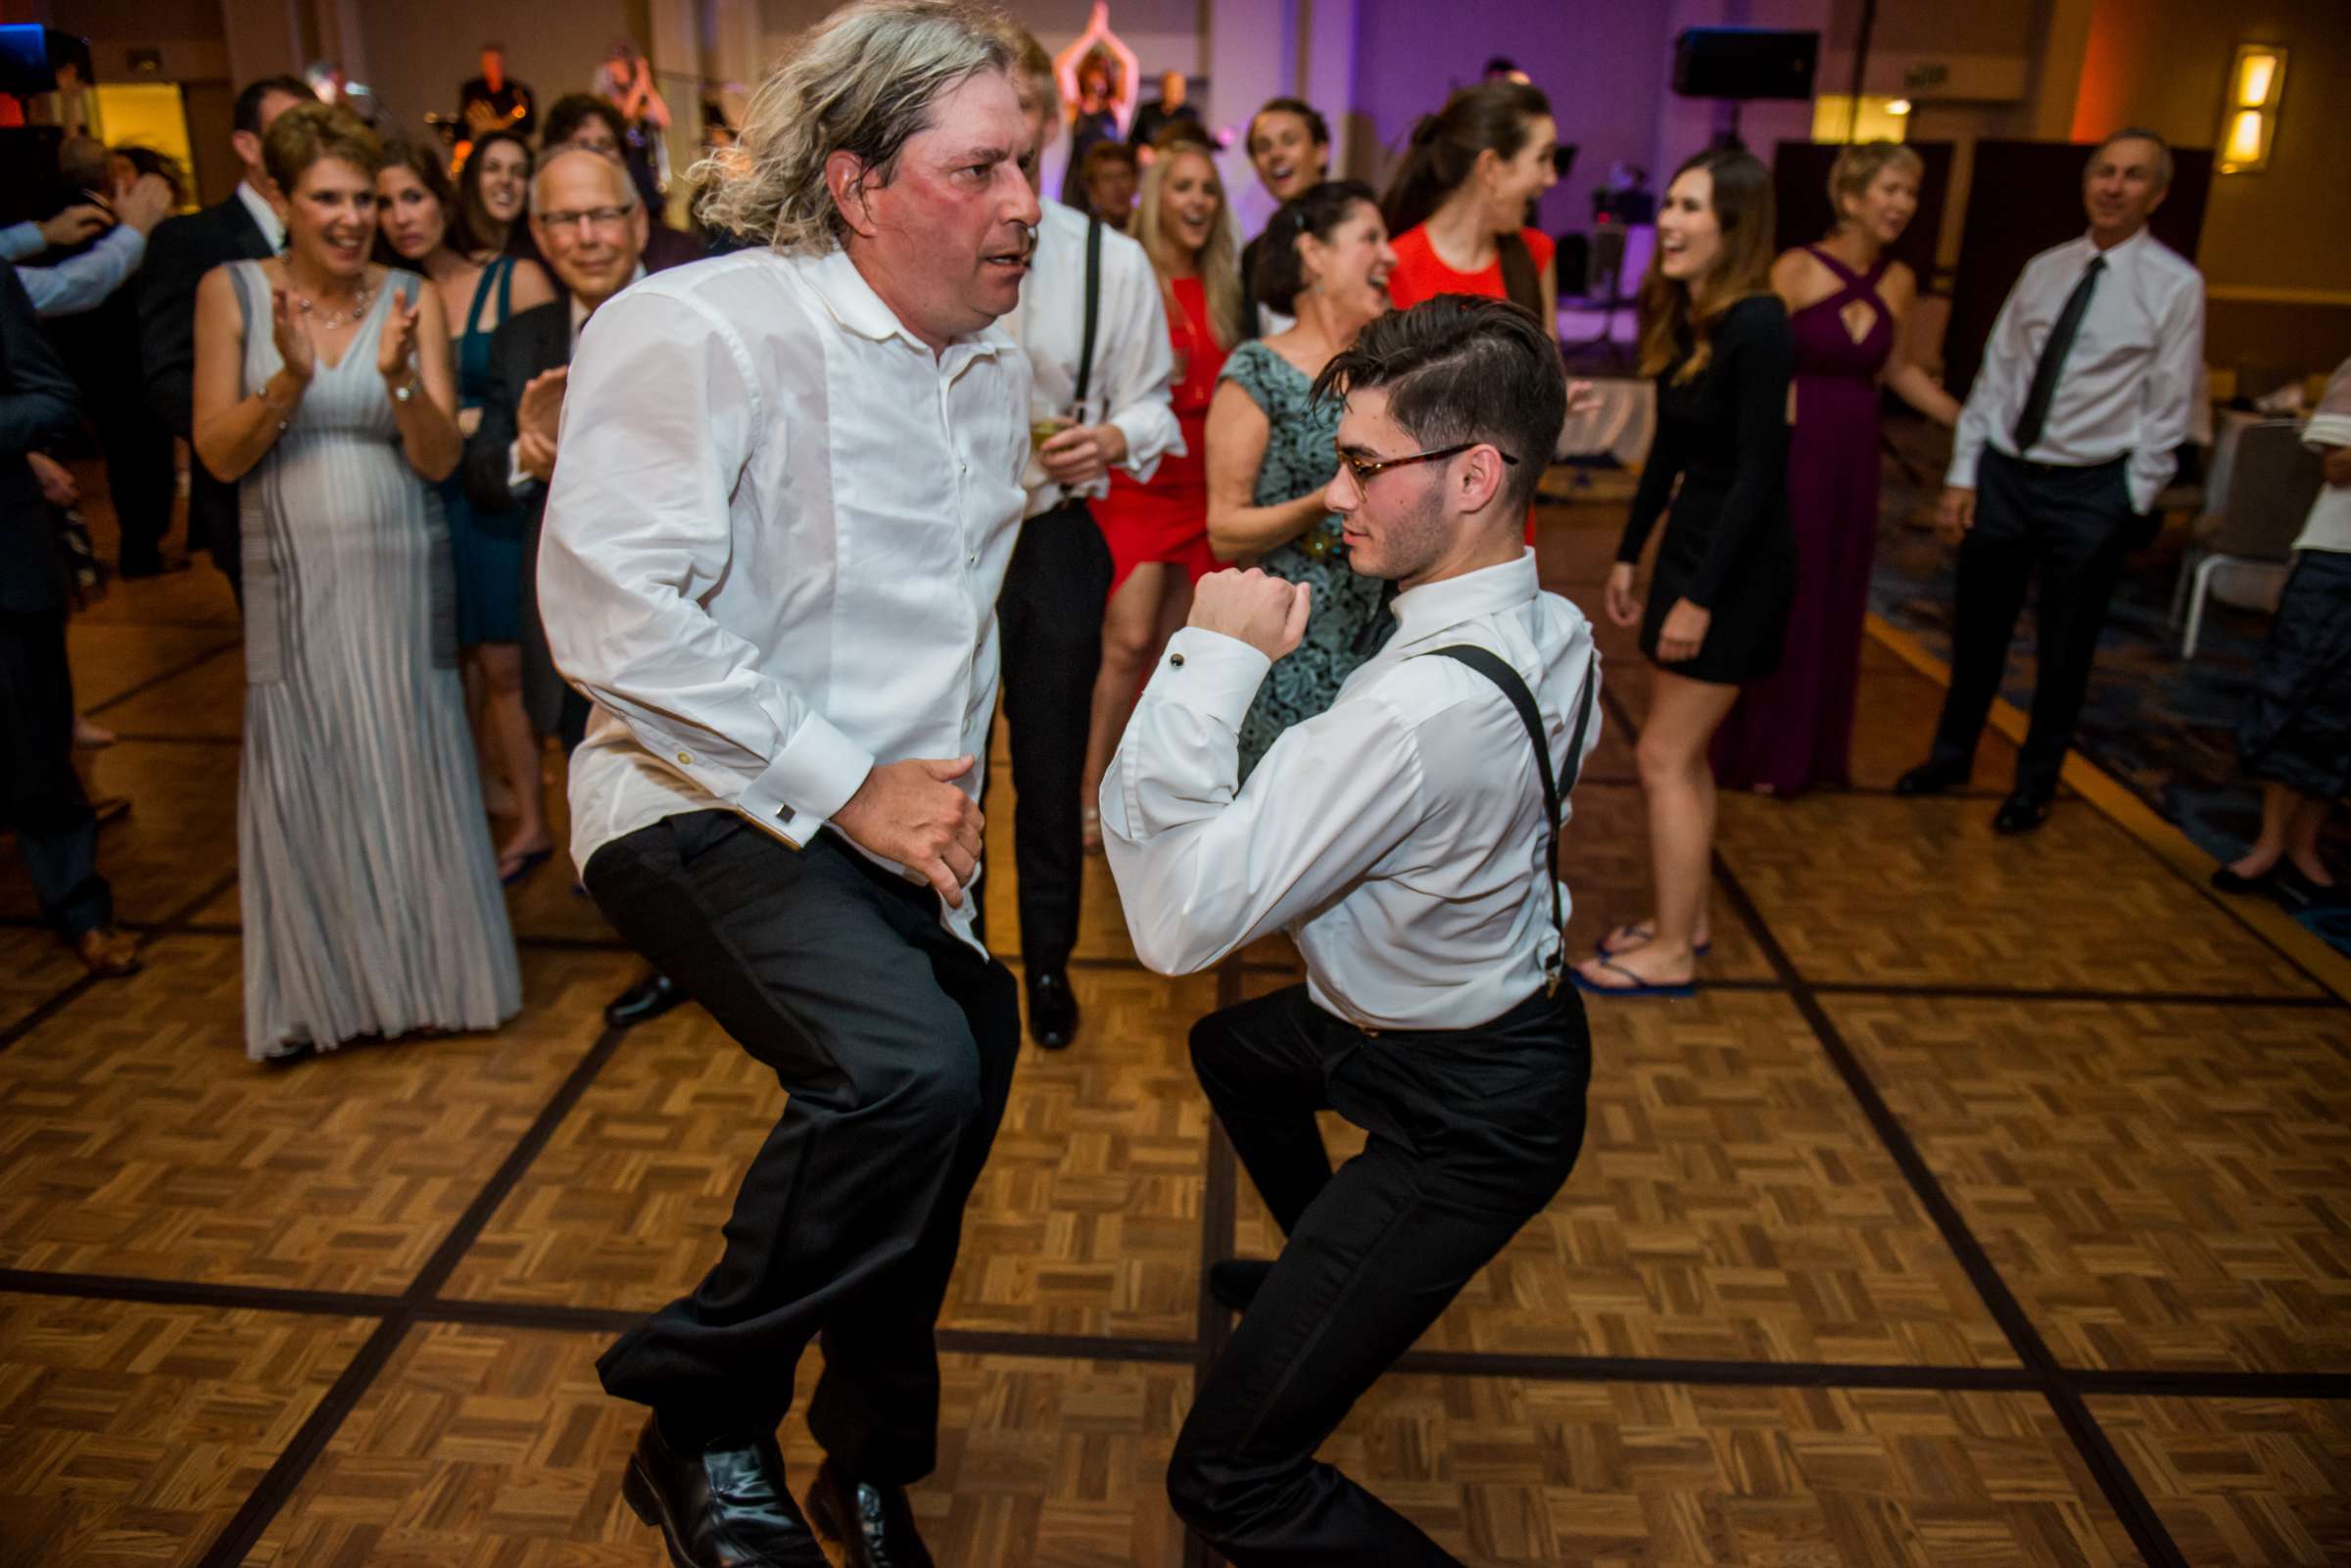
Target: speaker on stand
[1742,64]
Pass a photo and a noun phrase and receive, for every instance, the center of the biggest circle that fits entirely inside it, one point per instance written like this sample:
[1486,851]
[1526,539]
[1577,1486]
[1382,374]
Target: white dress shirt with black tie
[1398,836]
[774,545]
[2127,387]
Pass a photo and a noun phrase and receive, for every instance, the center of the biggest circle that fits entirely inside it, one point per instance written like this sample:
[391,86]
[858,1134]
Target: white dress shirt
[264,215]
[774,543]
[2128,384]
[77,283]
[1133,359]
[1398,836]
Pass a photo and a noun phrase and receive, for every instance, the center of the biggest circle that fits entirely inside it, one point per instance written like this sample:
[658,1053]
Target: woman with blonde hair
[1846,301]
[1716,339]
[1158,530]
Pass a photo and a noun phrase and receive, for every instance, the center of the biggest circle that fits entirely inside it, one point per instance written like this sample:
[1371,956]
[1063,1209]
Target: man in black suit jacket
[179,253]
[589,226]
[40,795]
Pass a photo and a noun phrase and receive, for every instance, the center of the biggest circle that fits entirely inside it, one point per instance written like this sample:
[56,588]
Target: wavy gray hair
[861,82]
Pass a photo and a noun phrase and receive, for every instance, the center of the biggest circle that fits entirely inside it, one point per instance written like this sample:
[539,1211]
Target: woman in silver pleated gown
[369,888]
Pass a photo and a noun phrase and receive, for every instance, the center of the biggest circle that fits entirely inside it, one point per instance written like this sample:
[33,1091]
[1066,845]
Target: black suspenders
[1497,670]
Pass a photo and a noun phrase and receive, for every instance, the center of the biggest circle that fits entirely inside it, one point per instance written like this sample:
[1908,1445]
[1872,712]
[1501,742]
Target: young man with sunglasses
[1406,839]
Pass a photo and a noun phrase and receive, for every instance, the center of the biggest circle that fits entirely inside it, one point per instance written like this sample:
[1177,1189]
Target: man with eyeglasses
[591,229]
[1406,841]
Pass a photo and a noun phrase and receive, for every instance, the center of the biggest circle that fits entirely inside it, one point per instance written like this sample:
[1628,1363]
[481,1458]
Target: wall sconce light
[1897,107]
[2256,83]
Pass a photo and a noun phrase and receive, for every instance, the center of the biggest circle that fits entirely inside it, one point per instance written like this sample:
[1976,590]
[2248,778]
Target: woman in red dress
[1158,529]
[1459,205]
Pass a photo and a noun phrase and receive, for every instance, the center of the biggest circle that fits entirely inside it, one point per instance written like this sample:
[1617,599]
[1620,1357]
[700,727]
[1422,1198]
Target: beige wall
[2162,64]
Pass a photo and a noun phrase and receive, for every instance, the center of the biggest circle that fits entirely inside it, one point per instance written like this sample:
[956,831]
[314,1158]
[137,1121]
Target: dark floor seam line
[174,672]
[1219,1209]
[140,738]
[270,1494]
[261,1507]
[2119,1487]
[83,983]
[1530,1366]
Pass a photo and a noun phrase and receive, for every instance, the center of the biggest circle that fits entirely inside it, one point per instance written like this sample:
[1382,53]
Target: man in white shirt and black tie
[790,484]
[1101,369]
[2069,433]
[1407,839]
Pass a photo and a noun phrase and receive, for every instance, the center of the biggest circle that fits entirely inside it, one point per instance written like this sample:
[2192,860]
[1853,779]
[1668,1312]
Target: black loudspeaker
[1743,62]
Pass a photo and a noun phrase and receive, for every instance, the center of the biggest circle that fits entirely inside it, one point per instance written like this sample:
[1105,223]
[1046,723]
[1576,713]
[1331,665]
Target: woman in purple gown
[1847,302]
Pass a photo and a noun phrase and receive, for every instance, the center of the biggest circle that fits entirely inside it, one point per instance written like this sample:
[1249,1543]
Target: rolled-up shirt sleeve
[662,416]
[1205,867]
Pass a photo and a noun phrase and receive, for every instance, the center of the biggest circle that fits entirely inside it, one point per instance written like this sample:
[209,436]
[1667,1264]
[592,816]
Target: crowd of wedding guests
[365,348]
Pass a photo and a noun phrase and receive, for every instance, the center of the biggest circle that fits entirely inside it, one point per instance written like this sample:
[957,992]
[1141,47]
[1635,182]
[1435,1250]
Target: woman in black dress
[1717,341]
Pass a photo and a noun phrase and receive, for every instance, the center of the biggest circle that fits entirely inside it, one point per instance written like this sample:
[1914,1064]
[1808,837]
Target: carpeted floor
[2162,727]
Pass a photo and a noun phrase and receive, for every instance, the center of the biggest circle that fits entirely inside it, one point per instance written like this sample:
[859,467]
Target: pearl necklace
[331,319]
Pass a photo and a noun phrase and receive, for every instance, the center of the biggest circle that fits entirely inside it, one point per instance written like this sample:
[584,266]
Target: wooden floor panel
[1730,1203]
[482,1446]
[135,1138]
[129,1434]
[111,658]
[34,965]
[1085,1221]
[1504,1473]
[1604,858]
[2242,1483]
[1879,891]
[2164,1187]
[205,699]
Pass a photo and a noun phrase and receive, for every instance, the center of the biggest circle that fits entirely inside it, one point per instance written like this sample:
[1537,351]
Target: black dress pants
[1050,615]
[895,1041]
[140,478]
[1473,1132]
[2073,526]
[56,830]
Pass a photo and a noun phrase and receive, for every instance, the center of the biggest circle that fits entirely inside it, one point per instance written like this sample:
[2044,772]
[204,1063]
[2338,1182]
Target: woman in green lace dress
[1325,259]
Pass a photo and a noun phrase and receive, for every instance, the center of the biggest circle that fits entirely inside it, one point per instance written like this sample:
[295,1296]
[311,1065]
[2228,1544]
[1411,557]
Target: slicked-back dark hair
[246,112]
[1317,211]
[1460,368]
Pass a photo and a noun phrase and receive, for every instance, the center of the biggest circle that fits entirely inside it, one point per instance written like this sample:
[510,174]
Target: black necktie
[2052,358]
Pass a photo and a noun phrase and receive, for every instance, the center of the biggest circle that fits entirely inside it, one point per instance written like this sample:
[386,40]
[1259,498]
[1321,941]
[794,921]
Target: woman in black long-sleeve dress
[1717,341]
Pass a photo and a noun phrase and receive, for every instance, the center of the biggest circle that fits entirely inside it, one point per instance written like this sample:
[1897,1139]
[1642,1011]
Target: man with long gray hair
[789,487]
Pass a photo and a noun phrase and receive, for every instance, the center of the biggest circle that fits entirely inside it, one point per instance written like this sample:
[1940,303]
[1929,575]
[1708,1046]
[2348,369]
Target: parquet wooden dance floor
[1992,1206]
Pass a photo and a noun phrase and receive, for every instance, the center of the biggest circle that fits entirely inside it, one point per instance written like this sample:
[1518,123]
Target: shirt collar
[1433,607]
[264,215]
[852,303]
[579,311]
[2121,253]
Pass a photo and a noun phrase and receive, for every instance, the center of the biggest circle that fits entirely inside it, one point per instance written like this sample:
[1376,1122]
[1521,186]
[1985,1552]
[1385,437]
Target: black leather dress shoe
[724,1507]
[648,998]
[2020,813]
[1236,1281]
[1052,1009]
[871,1522]
[1930,779]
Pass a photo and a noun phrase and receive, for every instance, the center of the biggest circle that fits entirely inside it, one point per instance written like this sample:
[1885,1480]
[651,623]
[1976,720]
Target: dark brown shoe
[726,1507]
[870,1521]
[107,953]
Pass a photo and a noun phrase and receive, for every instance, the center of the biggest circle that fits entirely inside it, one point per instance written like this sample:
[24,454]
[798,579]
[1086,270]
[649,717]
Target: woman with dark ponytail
[1718,340]
[1458,206]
